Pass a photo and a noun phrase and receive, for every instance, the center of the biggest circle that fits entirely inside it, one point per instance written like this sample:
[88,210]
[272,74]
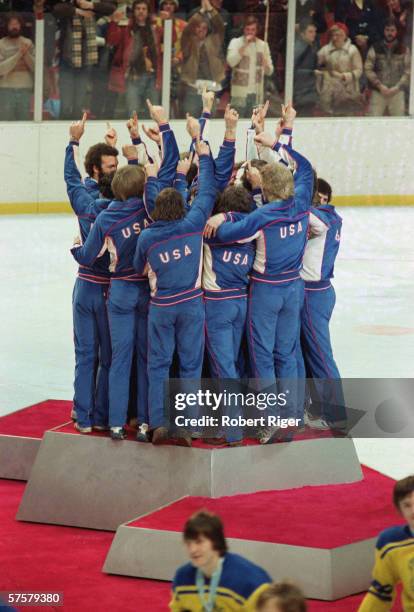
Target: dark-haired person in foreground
[281,597]
[394,556]
[215,579]
[171,251]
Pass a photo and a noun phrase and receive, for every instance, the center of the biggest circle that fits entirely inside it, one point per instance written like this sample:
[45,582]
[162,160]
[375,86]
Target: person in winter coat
[340,68]
[134,66]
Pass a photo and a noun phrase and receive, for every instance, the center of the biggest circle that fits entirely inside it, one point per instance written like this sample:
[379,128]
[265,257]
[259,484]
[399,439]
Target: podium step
[21,433]
[95,482]
[321,537]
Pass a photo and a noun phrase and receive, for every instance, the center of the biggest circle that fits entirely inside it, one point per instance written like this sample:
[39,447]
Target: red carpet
[321,517]
[33,421]
[45,557]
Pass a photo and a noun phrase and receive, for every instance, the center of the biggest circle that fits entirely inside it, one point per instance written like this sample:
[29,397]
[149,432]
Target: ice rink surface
[372,327]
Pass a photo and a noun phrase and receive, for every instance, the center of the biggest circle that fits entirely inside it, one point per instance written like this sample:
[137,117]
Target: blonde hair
[277,182]
[128,182]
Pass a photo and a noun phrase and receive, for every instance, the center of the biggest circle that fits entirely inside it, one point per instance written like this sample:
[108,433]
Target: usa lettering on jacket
[290,230]
[175,254]
[238,259]
[136,228]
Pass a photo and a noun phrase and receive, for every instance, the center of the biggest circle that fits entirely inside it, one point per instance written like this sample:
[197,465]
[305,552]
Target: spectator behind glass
[276,36]
[134,67]
[78,50]
[340,70]
[250,60]
[314,10]
[306,62]
[402,13]
[225,17]
[16,72]
[281,597]
[168,9]
[362,18]
[387,68]
[201,45]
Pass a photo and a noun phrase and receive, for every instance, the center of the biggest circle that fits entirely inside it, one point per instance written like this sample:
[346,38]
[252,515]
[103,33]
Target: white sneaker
[266,434]
[118,433]
[142,433]
[73,415]
[82,430]
[318,423]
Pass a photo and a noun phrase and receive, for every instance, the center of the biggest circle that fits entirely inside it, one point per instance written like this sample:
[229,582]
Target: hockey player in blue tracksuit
[166,174]
[90,322]
[116,230]
[280,229]
[171,251]
[319,302]
[226,269]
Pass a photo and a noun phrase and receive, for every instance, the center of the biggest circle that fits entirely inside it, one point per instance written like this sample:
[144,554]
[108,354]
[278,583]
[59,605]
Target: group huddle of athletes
[186,255]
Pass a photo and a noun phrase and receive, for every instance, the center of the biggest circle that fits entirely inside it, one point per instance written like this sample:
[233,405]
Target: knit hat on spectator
[338,25]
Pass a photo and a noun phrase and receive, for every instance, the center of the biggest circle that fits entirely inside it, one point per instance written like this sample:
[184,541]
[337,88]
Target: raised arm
[180,181]
[303,177]
[217,26]
[152,188]
[224,162]
[203,203]
[170,157]
[82,202]
[142,156]
[169,150]
[208,101]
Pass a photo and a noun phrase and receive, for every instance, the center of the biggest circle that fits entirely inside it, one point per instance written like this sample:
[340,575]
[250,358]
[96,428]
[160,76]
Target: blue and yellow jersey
[240,585]
[394,563]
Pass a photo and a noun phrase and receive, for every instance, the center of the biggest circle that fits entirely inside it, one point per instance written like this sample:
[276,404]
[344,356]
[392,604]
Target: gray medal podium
[98,483]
